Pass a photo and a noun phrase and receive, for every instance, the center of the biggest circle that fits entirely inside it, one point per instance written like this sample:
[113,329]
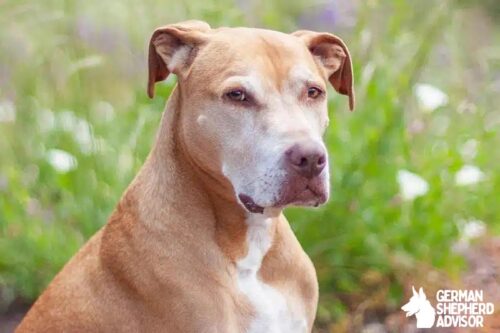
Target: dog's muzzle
[306,183]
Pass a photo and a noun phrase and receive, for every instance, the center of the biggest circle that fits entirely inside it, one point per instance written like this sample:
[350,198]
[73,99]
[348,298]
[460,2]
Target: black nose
[307,158]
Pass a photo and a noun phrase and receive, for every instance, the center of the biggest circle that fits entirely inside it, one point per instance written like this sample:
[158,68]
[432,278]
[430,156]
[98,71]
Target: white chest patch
[272,313]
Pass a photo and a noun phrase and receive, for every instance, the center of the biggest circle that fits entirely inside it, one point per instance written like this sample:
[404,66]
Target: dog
[198,241]
[421,308]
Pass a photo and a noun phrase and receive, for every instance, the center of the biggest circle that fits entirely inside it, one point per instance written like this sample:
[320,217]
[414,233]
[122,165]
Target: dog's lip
[313,191]
[308,195]
[315,194]
[249,204]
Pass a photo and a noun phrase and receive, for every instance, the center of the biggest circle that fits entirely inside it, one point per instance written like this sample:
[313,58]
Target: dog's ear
[172,49]
[421,294]
[414,291]
[331,53]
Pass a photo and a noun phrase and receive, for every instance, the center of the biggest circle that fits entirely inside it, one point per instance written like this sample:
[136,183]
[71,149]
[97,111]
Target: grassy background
[73,78]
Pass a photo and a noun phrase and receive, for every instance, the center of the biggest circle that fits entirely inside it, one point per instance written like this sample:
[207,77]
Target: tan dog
[198,242]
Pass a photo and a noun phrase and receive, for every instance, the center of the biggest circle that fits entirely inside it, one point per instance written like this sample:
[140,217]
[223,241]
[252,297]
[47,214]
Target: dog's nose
[307,158]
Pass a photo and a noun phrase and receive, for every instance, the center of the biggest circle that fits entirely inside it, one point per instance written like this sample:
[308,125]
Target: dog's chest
[272,311]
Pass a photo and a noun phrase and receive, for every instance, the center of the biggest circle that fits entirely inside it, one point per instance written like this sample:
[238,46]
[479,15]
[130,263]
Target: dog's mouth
[250,205]
[308,196]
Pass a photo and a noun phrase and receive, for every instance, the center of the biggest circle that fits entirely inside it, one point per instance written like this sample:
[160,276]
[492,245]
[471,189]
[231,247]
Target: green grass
[66,64]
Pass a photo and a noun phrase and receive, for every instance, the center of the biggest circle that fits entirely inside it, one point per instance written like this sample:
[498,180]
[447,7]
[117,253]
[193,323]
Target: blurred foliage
[492,7]
[72,74]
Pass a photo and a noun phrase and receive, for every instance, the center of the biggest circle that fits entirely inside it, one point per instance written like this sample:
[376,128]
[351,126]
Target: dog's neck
[170,184]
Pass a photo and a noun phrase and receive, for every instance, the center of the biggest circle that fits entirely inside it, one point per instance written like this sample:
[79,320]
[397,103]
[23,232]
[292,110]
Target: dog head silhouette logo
[421,308]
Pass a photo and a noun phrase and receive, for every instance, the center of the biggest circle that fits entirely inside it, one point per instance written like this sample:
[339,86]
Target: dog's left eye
[314,92]
[237,95]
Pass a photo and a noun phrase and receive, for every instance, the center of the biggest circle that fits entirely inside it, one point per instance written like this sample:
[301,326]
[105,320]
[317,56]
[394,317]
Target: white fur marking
[272,313]
[178,57]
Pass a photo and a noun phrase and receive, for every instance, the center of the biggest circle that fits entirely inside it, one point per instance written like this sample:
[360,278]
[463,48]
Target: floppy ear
[172,49]
[334,56]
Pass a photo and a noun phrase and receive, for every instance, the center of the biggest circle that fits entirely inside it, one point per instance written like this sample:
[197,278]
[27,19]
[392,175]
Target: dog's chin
[310,194]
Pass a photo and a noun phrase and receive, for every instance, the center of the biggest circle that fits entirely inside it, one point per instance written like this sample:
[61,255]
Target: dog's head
[254,106]
[417,302]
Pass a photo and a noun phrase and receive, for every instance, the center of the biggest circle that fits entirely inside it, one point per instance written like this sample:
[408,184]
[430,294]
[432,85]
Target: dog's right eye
[237,95]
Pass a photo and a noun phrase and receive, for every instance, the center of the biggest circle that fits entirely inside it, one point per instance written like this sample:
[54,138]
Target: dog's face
[254,107]
[417,302]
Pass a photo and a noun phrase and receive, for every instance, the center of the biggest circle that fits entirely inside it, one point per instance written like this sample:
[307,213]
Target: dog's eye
[314,92]
[237,95]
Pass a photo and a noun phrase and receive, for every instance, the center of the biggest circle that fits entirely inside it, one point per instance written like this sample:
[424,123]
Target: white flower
[473,229]
[7,112]
[87,62]
[468,175]
[411,185]
[430,97]
[61,160]
[83,135]
[80,128]
[468,230]
[469,149]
